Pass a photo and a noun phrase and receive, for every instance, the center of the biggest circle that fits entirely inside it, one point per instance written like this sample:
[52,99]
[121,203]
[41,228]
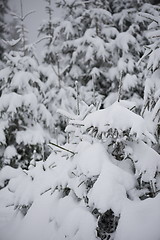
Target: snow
[140,220]
[32,135]
[124,39]
[154,59]
[22,80]
[2,133]
[45,116]
[91,159]
[148,163]
[110,189]
[129,81]
[13,99]
[152,83]
[68,29]
[110,32]
[8,173]
[111,164]
[30,229]
[11,102]
[10,152]
[13,42]
[117,117]
[79,224]
[4,73]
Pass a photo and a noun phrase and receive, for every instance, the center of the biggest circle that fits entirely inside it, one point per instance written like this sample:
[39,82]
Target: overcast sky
[34,20]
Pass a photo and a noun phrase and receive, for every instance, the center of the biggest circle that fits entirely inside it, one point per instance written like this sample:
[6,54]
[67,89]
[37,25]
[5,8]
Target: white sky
[34,20]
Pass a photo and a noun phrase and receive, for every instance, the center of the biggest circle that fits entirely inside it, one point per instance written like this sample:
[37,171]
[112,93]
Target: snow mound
[142,219]
[117,117]
[91,159]
[110,189]
[8,173]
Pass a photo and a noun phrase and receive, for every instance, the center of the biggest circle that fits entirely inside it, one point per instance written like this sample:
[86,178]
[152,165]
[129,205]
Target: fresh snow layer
[140,220]
[146,160]
[56,213]
[109,191]
[117,117]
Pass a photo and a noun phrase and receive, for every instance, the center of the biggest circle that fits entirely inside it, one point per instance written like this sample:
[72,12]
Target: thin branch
[120,87]
[43,38]
[10,205]
[91,107]
[76,123]
[46,191]
[27,14]
[147,16]
[62,148]
[144,56]
[15,15]
[158,36]
[131,109]
[77,92]
[66,114]
[21,9]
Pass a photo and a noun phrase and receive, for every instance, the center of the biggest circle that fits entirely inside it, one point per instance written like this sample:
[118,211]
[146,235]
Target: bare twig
[43,38]
[46,190]
[27,14]
[62,148]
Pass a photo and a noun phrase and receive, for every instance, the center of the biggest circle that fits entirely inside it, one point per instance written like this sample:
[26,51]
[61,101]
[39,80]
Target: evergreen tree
[25,121]
[87,188]
[60,92]
[128,48]
[96,44]
[47,29]
[56,93]
[79,51]
[104,182]
[3,11]
[151,95]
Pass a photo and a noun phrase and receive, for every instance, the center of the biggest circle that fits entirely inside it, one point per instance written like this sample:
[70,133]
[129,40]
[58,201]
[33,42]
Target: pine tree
[60,92]
[47,30]
[3,31]
[56,93]
[86,187]
[151,94]
[128,48]
[25,121]
[96,44]
[104,182]
[79,51]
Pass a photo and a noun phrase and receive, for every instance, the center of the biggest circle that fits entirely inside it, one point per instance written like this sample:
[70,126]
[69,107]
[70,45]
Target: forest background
[79,126]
